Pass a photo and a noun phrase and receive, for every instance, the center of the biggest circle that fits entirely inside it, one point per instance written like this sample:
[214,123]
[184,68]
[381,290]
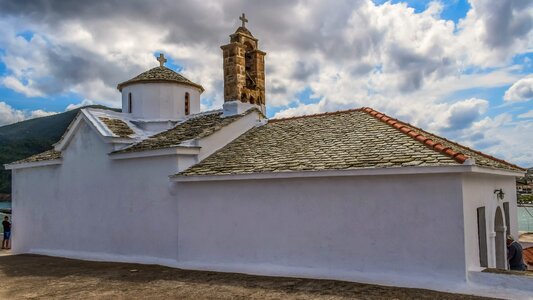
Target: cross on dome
[162,60]
[244,20]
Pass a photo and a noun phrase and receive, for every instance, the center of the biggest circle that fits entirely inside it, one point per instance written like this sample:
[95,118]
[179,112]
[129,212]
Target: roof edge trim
[409,131]
[176,150]
[120,86]
[327,173]
[33,164]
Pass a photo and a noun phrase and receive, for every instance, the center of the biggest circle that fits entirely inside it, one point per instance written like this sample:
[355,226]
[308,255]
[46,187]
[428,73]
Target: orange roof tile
[528,256]
[459,152]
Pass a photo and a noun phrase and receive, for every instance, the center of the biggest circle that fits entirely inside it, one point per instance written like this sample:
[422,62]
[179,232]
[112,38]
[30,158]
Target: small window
[129,103]
[507,217]
[482,236]
[187,104]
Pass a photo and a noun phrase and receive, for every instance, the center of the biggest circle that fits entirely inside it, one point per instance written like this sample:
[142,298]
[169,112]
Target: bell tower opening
[244,68]
[248,63]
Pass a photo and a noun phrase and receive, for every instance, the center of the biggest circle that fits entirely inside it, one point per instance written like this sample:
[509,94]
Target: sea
[525,218]
[6,204]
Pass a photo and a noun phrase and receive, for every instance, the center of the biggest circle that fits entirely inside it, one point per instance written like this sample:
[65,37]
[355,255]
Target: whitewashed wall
[160,101]
[411,230]
[404,226]
[478,191]
[91,205]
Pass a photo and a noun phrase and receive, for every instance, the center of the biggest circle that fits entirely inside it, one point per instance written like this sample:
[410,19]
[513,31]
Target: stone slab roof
[118,127]
[443,145]
[159,74]
[43,156]
[344,140]
[194,128]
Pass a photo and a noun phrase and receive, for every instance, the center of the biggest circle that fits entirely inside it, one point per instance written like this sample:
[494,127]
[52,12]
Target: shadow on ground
[29,276]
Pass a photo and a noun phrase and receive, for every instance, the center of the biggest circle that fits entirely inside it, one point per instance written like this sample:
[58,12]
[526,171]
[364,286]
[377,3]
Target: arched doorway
[499,242]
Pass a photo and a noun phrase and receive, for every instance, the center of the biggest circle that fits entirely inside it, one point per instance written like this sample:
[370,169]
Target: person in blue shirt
[7,233]
[514,255]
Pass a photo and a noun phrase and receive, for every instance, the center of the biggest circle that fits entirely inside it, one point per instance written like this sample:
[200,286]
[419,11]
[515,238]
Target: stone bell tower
[244,69]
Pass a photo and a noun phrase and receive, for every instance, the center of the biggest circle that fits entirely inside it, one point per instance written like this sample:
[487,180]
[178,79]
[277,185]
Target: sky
[458,68]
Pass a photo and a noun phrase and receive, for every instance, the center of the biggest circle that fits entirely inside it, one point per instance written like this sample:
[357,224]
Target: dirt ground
[43,277]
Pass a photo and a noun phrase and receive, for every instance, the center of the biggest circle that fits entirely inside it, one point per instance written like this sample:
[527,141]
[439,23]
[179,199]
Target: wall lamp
[499,194]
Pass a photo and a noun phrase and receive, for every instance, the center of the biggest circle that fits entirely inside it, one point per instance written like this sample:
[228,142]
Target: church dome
[157,75]
[160,94]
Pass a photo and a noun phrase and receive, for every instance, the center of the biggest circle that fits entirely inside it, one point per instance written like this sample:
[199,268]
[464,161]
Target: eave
[346,173]
[33,164]
[179,150]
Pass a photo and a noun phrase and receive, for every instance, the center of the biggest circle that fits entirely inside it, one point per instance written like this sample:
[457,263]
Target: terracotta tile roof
[43,156]
[528,257]
[352,139]
[459,152]
[193,128]
[118,127]
[159,74]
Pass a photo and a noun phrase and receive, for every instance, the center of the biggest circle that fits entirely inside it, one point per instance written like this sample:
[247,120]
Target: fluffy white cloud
[9,115]
[526,115]
[27,89]
[522,90]
[346,54]
[503,137]
[461,115]
[84,102]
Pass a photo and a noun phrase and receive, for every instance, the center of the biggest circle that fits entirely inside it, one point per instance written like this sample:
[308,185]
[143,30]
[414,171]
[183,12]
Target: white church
[353,195]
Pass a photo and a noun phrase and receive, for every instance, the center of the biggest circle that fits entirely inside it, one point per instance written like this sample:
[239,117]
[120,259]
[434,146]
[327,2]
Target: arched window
[187,104]
[129,103]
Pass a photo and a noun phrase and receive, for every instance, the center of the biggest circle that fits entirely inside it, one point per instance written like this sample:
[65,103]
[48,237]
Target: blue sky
[459,68]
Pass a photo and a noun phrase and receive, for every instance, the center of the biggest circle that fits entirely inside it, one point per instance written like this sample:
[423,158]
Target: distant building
[524,184]
[354,195]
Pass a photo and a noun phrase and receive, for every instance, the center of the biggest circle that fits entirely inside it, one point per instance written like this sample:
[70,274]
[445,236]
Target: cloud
[462,114]
[522,90]
[526,115]
[26,89]
[345,53]
[85,102]
[503,137]
[9,115]
[493,31]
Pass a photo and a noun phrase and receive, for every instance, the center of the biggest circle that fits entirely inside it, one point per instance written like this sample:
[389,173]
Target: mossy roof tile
[344,140]
[159,74]
[193,128]
[43,156]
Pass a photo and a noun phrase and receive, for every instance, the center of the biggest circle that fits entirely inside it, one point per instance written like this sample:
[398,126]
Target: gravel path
[43,277]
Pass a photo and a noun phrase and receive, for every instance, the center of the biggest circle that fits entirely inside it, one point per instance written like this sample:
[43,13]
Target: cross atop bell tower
[244,20]
[244,68]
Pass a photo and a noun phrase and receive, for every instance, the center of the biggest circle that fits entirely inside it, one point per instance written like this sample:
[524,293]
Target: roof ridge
[471,149]
[458,156]
[409,130]
[315,115]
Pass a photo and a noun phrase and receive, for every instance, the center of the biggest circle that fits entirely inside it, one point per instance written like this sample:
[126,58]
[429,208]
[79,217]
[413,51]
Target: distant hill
[26,138]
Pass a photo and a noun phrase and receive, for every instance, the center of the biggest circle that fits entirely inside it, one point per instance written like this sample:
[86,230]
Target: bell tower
[244,68]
